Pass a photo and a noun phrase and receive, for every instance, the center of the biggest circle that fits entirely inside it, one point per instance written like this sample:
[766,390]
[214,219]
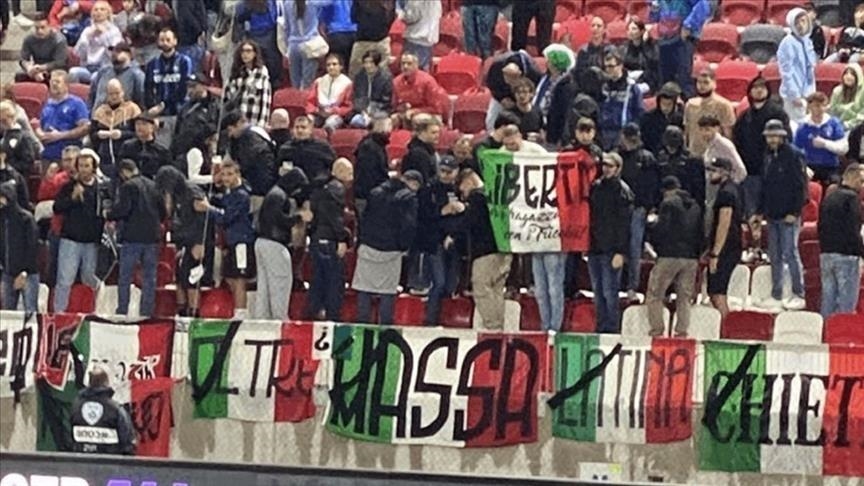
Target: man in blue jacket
[679,23]
[797,60]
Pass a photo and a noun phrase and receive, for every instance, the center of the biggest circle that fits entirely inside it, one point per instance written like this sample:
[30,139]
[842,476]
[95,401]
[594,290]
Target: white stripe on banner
[251,401]
[117,349]
[789,359]
[622,419]
[534,229]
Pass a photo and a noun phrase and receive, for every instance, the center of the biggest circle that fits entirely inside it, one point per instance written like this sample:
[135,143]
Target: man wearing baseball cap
[724,243]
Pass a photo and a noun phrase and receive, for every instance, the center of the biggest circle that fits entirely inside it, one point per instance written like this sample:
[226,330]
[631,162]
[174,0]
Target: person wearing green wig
[553,86]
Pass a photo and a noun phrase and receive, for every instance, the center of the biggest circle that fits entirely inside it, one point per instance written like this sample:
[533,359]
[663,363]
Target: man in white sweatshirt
[422,21]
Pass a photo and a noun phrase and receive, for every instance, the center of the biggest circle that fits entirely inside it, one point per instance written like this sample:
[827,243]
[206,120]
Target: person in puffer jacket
[620,103]
[847,98]
[797,60]
[19,245]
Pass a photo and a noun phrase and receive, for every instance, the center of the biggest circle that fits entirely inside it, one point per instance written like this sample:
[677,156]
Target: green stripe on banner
[576,418]
[496,164]
[207,344]
[367,372]
[733,379]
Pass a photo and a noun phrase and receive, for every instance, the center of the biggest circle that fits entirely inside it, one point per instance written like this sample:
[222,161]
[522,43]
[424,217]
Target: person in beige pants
[488,276]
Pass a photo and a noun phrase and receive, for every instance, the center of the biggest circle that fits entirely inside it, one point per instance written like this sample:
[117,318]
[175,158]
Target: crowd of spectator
[180,144]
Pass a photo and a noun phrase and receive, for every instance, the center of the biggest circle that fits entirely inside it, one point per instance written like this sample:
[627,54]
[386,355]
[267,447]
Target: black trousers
[543,13]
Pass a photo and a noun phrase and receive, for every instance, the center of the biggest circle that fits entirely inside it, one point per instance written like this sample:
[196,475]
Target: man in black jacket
[489,268]
[197,120]
[784,193]
[641,173]
[421,155]
[81,202]
[20,147]
[19,271]
[280,213]
[252,149]
[669,111]
[100,424]
[385,234]
[315,157]
[506,70]
[673,159]
[139,209]
[840,244]
[611,212]
[747,137]
[678,237]
[329,239]
[9,174]
[372,163]
[148,154]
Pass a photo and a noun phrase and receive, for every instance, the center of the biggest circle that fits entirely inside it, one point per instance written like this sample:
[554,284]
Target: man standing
[372,163]
[673,159]
[18,251]
[668,112]
[422,23]
[113,421]
[841,245]
[165,84]
[679,23]
[252,150]
[386,232]
[718,147]
[197,120]
[80,202]
[314,157]
[797,60]
[678,238]
[784,193]
[822,138]
[421,155]
[19,145]
[329,241]
[478,24]
[724,242]
[149,155]
[130,76]
[42,52]
[140,210]
[543,13]
[611,212]
[708,102]
[65,119]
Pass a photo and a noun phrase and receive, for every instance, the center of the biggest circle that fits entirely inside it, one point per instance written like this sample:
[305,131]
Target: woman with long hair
[248,89]
[847,99]
[642,55]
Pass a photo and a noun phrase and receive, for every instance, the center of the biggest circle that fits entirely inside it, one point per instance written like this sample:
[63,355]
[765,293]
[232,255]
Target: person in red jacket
[331,96]
[414,91]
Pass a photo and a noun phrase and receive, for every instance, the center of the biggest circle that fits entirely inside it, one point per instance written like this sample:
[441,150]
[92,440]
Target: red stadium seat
[719,42]
[451,36]
[844,329]
[38,91]
[809,232]
[567,9]
[500,36]
[777,9]
[82,300]
[350,262]
[809,251]
[349,308]
[457,72]
[742,12]
[579,316]
[217,303]
[733,78]
[457,312]
[345,141]
[291,99]
[529,314]
[166,303]
[576,31]
[397,31]
[80,90]
[640,9]
[447,139]
[748,325]
[398,146]
[771,73]
[616,32]
[470,113]
[828,75]
[31,106]
[608,10]
[860,309]
[410,311]
[813,290]
[810,212]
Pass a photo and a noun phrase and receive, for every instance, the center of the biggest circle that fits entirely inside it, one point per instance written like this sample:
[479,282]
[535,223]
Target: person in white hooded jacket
[422,27]
[797,60]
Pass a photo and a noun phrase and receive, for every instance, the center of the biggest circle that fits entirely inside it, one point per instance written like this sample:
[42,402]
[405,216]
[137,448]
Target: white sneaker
[749,256]
[794,303]
[771,304]
[23,21]
[632,296]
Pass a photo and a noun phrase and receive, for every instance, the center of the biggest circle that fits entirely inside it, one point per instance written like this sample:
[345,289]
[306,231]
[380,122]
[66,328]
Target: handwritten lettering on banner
[18,337]
[638,391]
[432,386]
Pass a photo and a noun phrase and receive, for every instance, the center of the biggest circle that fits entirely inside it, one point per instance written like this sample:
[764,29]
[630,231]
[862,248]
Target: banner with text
[18,338]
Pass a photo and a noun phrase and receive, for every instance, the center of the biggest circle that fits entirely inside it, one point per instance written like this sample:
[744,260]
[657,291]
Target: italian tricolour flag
[538,202]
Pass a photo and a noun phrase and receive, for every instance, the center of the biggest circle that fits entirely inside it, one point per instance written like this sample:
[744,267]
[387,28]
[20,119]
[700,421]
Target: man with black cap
[641,173]
[784,193]
[148,154]
[668,111]
[122,69]
[724,242]
[197,120]
[611,213]
[678,237]
[386,232]
[673,159]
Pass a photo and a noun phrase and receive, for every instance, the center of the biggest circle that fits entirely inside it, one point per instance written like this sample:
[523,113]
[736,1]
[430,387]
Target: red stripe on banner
[295,375]
[576,171]
[151,416]
[155,338]
[56,334]
[507,371]
[843,421]
[669,390]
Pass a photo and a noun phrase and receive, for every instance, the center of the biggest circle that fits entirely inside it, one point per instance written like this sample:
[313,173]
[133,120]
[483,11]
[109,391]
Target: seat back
[470,113]
[747,325]
[217,303]
[458,72]
[635,321]
[580,316]
[742,12]
[733,78]
[529,314]
[704,323]
[798,327]
[719,42]
[409,311]
[844,329]
[456,313]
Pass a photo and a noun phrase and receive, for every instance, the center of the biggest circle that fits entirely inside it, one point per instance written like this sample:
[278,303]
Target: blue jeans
[386,304]
[605,281]
[423,53]
[548,269]
[478,22]
[130,254]
[444,268]
[634,255]
[328,280]
[302,70]
[841,277]
[783,249]
[676,63]
[72,257]
[30,292]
